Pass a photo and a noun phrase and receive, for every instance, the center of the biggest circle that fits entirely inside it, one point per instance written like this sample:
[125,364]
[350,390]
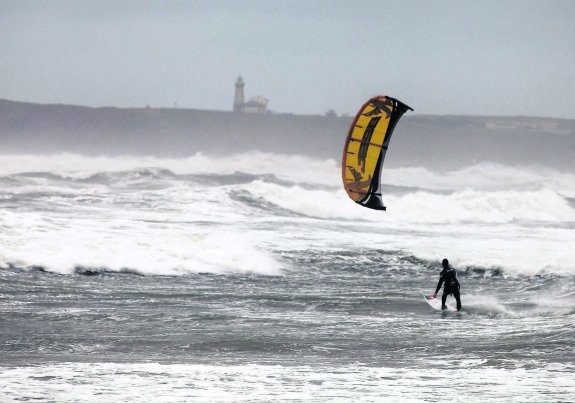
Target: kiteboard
[435,303]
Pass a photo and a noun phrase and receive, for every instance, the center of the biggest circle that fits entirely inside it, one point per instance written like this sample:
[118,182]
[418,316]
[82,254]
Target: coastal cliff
[444,142]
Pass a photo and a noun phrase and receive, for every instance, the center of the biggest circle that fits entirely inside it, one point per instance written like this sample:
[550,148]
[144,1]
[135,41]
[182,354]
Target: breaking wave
[232,214]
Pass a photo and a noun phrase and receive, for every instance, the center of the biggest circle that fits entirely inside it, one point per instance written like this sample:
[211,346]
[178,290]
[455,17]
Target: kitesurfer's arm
[439,284]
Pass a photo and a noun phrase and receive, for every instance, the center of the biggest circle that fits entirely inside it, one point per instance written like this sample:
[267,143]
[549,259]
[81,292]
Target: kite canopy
[365,148]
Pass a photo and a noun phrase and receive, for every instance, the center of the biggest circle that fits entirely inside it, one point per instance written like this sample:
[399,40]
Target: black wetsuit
[449,277]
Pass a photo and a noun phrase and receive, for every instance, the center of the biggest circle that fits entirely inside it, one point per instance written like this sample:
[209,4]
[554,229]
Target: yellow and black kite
[365,148]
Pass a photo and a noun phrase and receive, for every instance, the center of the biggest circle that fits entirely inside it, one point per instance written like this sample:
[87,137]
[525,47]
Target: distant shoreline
[436,141]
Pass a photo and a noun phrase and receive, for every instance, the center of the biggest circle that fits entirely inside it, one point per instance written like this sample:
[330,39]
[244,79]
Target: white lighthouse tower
[239,95]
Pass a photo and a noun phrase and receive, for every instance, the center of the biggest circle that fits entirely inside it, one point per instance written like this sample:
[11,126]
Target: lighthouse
[257,104]
[239,95]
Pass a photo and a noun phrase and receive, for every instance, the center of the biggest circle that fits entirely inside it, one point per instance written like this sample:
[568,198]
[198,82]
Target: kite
[365,149]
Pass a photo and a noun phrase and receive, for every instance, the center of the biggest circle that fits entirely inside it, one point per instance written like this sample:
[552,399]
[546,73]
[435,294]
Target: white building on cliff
[257,104]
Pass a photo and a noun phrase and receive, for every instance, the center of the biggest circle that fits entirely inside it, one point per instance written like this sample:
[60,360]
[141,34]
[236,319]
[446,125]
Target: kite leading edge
[365,148]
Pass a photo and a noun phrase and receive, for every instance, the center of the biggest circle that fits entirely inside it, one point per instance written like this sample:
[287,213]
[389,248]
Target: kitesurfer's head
[445,263]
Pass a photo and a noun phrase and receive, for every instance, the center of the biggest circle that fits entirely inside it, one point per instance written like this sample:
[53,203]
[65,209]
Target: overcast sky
[440,57]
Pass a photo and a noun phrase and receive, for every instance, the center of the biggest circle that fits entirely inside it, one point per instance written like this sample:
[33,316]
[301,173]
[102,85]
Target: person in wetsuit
[448,277]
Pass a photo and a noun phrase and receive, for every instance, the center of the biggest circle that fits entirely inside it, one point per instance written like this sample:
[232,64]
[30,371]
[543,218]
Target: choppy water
[254,278]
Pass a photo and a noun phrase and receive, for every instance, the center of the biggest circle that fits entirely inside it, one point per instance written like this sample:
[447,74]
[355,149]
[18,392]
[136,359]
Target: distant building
[257,104]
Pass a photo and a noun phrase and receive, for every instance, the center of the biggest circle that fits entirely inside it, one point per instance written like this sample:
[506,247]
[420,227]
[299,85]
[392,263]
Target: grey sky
[440,57]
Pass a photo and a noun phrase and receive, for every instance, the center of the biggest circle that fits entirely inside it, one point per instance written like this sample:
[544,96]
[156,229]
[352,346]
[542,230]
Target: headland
[442,142]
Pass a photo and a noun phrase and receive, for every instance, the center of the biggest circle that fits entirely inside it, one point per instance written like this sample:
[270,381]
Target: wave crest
[137,250]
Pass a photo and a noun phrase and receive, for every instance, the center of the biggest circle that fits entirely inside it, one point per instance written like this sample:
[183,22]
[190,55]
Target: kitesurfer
[448,277]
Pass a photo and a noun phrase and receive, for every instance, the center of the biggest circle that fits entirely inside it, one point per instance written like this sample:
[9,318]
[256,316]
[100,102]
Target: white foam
[487,305]
[424,207]
[313,203]
[466,380]
[482,176]
[483,206]
[289,167]
[536,307]
[62,244]
[515,218]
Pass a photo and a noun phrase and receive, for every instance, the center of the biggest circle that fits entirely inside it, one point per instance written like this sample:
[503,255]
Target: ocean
[253,277]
